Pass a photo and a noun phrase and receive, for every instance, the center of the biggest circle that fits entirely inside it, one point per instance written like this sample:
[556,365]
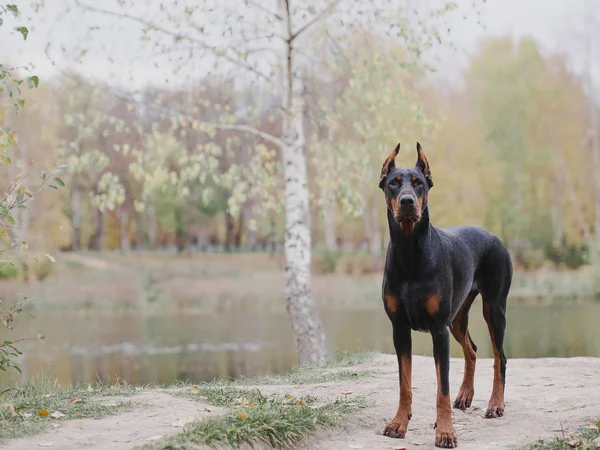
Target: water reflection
[161,350]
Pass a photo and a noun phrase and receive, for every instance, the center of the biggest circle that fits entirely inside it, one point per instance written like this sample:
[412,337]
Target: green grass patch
[277,422]
[586,438]
[31,408]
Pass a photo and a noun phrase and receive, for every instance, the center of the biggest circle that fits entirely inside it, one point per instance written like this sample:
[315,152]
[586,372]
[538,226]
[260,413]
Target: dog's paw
[464,398]
[495,407]
[396,428]
[494,411]
[445,437]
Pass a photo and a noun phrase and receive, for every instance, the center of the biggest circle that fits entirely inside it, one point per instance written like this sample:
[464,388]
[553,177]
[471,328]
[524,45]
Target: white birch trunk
[306,323]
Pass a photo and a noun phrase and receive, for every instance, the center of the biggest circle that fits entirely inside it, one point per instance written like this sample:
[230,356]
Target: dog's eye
[418,182]
[393,182]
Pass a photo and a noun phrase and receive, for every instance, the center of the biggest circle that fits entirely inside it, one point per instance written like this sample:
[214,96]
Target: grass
[31,408]
[586,438]
[255,419]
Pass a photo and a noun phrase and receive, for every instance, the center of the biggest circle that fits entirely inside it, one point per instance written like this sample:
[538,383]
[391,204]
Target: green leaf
[58,181]
[33,81]
[50,186]
[4,235]
[43,175]
[13,9]
[24,31]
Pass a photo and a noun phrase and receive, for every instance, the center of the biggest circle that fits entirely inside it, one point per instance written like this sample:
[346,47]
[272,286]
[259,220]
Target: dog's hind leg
[494,292]
[460,331]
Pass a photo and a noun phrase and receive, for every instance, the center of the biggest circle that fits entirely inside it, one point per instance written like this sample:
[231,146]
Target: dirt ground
[543,397]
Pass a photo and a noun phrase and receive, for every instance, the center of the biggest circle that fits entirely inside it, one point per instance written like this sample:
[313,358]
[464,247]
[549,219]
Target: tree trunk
[151,227]
[330,229]
[306,323]
[201,238]
[75,215]
[251,237]
[123,228]
[180,238]
[99,235]
[229,229]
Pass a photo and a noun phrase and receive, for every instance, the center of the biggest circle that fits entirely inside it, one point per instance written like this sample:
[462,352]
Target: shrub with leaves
[18,195]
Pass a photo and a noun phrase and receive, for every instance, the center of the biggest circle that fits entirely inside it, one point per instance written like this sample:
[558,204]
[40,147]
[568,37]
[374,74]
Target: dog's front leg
[445,435]
[403,345]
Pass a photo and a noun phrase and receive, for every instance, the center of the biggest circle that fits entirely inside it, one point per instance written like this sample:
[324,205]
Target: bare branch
[221,126]
[177,36]
[328,10]
[262,8]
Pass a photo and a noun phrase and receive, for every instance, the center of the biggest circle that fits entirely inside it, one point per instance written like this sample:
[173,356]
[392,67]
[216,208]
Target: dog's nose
[407,200]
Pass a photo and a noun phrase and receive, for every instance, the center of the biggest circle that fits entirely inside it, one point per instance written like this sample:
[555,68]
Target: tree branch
[328,10]
[262,8]
[175,35]
[221,126]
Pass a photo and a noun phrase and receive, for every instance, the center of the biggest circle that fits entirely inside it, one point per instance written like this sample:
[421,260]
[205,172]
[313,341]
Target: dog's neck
[409,249]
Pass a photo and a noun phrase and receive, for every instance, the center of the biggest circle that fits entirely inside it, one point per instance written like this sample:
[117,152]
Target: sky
[551,22]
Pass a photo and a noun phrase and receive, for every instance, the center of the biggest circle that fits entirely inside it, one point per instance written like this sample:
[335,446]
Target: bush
[325,261]
[43,269]
[10,271]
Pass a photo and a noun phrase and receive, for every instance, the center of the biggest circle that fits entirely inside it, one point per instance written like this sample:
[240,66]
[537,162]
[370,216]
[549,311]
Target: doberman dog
[431,278]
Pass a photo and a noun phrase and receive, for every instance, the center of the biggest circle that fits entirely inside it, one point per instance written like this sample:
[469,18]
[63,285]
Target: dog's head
[406,189]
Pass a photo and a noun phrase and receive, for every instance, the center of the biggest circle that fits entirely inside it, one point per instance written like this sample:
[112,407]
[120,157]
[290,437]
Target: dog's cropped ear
[388,165]
[423,165]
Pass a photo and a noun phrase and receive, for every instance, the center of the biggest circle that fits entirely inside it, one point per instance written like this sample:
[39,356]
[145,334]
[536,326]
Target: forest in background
[514,150]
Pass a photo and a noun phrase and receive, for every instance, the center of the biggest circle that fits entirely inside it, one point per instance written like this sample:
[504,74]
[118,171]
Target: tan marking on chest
[432,304]
[391,302]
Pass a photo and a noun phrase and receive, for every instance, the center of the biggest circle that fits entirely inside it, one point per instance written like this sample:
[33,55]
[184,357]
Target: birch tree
[269,42]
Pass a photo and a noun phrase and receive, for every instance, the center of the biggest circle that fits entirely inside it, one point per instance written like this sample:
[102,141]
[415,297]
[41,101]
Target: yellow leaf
[4,235]
[301,402]
[43,412]
[241,415]
[195,389]
[346,393]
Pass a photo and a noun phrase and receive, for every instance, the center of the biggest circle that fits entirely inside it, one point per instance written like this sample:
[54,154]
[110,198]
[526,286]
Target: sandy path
[542,395]
[154,417]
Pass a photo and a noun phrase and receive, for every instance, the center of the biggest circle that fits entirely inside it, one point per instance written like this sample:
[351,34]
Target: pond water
[198,348]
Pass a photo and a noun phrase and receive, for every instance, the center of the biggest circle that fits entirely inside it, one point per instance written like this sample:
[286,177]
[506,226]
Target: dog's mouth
[407,214]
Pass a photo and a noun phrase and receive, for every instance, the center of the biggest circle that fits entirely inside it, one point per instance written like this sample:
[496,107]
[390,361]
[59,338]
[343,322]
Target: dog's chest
[419,304]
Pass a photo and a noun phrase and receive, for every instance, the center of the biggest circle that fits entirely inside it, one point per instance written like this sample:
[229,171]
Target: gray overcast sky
[550,22]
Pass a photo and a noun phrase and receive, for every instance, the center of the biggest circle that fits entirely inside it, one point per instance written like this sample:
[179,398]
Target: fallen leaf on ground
[301,402]
[45,444]
[207,410]
[74,400]
[43,412]
[399,448]
[241,415]
[183,422]
[195,389]
[346,393]
[154,438]
[57,415]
